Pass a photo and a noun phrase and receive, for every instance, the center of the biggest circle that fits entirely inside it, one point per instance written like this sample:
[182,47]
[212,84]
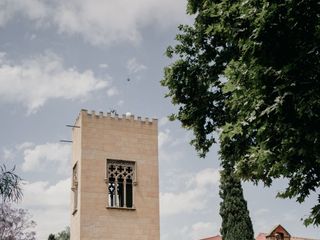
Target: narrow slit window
[74,187]
[120,178]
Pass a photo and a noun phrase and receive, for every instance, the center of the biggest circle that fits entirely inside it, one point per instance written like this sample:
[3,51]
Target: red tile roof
[262,236]
[218,237]
[299,238]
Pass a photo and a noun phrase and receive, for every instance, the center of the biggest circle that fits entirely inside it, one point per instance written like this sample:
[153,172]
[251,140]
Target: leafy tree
[15,224]
[236,223]
[64,235]
[249,69]
[9,185]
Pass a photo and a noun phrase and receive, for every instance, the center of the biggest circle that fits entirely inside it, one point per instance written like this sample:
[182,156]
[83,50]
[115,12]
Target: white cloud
[112,91]
[103,65]
[32,9]
[41,78]
[202,229]
[290,217]
[45,201]
[171,146]
[105,22]
[206,177]
[134,66]
[24,145]
[172,203]
[120,103]
[37,158]
[163,121]
[170,156]
[57,195]
[2,57]
[196,231]
[98,22]
[164,137]
[8,154]
[261,212]
[194,197]
[166,143]
[32,37]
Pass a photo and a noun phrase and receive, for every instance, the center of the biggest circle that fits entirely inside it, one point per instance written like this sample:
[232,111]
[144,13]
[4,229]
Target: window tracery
[120,179]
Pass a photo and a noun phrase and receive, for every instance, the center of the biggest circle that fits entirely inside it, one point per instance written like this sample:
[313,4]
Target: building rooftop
[268,236]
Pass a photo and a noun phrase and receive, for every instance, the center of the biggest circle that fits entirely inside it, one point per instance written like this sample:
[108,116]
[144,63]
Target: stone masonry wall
[126,138]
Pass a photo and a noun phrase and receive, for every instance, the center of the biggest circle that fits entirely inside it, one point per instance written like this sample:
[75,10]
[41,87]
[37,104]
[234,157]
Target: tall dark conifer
[236,222]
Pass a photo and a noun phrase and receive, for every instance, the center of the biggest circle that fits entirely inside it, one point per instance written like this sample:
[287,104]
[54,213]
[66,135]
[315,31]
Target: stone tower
[115,187]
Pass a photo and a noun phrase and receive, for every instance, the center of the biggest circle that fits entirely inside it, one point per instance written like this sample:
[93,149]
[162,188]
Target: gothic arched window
[120,179]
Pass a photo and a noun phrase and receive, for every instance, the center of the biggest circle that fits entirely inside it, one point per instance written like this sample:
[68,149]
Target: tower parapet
[115,116]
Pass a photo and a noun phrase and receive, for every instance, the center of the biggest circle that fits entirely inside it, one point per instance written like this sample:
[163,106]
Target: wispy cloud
[36,80]
[206,177]
[56,195]
[163,121]
[103,65]
[113,91]
[202,229]
[164,137]
[260,212]
[166,143]
[197,230]
[120,102]
[134,66]
[98,22]
[194,196]
[39,157]
[48,201]
[35,10]
[7,154]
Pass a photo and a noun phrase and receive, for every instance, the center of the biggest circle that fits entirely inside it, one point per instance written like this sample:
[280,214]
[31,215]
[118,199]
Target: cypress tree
[236,222]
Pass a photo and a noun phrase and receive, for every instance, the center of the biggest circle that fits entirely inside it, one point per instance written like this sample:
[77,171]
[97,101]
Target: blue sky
[57,57]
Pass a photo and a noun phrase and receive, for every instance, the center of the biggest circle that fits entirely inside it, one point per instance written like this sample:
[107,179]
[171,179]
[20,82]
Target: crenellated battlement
[114,116]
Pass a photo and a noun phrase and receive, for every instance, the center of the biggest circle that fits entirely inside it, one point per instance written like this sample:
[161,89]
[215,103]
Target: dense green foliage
[236,223]
[63,235]
[250,69]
